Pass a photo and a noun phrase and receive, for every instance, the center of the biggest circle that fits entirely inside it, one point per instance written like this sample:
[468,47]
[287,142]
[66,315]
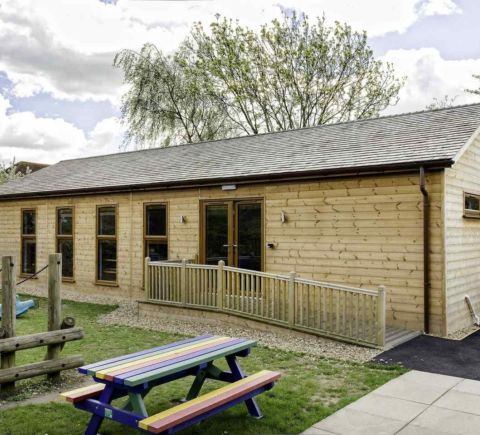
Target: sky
[60,96]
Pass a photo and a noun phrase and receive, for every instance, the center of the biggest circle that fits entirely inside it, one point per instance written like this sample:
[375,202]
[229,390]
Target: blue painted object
[21,307]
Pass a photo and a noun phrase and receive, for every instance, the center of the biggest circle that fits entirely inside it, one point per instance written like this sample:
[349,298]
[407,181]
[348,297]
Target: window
[155,235]
[29,241]
[65,240]
[471,205]
[107,243]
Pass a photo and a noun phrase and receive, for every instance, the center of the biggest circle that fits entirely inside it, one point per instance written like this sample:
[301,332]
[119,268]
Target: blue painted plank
[91,368]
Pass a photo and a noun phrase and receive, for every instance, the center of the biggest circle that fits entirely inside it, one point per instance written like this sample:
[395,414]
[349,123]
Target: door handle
[226,246]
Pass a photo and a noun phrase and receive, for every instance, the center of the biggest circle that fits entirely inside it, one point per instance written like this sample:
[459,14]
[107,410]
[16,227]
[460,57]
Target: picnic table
[133,376]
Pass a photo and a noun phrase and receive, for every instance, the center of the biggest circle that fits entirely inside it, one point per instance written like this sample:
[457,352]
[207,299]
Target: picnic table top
[158,362]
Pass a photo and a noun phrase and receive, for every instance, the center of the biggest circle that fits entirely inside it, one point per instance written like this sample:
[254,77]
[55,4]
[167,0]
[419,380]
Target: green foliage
[9,172]
[230,80]
[311,388]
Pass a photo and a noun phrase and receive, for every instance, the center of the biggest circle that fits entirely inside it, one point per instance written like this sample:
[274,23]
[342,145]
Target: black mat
[438,355]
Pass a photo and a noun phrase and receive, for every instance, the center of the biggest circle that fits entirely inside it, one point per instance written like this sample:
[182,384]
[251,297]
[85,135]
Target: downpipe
[426,252]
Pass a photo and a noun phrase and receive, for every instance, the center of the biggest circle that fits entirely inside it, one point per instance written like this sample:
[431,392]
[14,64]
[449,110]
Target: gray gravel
[127,314]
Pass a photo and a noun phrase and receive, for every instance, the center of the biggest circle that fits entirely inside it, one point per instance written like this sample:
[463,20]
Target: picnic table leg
[135,402]
[237,374]
[197,384]
[96,420]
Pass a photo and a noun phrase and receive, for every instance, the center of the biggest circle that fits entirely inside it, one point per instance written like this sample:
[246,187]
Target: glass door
[233,232]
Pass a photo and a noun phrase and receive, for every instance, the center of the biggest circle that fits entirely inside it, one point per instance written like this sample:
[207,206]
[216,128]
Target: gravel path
[127,314]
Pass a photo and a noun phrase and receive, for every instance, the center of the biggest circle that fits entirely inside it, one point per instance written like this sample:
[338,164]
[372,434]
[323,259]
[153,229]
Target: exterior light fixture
[283,217]
[229,187]
[182,219]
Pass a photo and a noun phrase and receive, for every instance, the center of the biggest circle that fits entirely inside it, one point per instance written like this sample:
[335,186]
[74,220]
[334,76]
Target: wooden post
[220,286]
[8,315]
[183,282]
[381,313]
[291,299]
[54,306]
[146,278]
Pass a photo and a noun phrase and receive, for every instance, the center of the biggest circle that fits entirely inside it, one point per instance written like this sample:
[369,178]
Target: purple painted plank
[119,379]
[84,369]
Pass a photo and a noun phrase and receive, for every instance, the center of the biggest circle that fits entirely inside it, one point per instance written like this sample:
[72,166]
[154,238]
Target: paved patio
[415,403]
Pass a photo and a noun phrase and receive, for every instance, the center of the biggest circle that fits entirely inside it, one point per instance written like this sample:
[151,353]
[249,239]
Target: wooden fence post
[381,313]
[54,306]
[183,282]
[291,299]
[220,286]
[146,278]
[8,315]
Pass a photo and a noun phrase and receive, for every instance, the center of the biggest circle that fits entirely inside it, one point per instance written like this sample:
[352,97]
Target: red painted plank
[204,406]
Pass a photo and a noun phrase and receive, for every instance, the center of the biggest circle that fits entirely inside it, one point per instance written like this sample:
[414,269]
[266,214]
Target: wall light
[183,219]
[229,187]
[283,217]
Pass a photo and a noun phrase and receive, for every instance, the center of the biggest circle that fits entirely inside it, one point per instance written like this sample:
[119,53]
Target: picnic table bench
[134,375]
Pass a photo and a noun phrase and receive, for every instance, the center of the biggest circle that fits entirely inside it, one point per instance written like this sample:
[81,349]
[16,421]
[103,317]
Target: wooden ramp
[394,336]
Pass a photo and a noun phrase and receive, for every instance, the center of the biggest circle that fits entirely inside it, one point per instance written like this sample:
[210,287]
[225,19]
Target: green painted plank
[96,369]
[174,368]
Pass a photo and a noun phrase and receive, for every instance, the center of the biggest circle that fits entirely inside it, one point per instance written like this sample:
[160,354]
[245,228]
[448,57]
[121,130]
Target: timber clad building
[392,201]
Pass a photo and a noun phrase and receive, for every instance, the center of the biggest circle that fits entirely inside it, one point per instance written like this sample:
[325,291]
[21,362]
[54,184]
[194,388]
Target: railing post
[291,299]
[54,306]
[381,313]
[183,282]
[8,315]
[220,286]
[146,277]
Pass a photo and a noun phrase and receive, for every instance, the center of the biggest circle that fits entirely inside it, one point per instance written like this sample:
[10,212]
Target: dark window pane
[28,222]
[216,233]
[472,202]
[28,255]
[156,220]
[106,221]
[65,247]
[65,221]
[157,251]
[107,260]
[250,236]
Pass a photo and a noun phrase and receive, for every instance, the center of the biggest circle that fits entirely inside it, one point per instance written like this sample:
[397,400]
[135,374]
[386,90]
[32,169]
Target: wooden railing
[332,310]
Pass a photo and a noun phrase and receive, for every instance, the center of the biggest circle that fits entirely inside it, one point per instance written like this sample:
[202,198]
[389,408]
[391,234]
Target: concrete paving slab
[448,421]
[468,386]
[413,391]
[460,401]
[389,407]
[353,422]
[434,379]
[315,431]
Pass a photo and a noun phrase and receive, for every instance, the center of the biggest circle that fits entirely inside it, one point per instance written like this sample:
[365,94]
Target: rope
[32,276]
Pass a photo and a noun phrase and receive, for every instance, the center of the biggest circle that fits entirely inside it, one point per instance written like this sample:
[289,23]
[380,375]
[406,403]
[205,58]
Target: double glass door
[233,232]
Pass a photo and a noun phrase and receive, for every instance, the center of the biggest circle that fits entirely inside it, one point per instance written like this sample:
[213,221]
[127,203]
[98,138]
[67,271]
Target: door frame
[232,226]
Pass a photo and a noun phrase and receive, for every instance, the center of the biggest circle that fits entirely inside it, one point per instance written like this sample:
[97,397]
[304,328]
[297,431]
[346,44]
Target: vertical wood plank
[8,315]
[54,306]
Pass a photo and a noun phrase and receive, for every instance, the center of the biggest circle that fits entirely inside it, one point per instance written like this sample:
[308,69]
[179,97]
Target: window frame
[71,237]
[147,238]
[27,237]
[99,237]
[467,213]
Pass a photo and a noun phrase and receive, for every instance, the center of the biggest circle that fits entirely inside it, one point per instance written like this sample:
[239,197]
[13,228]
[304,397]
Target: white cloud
[66,48]
[430,76]
[439,7]
[24,136]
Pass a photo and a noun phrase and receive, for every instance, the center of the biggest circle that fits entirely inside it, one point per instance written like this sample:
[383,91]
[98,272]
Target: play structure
[21,307]
[59,331]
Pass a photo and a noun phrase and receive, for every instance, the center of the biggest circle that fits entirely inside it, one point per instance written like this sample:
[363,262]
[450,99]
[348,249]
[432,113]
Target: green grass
[310,389]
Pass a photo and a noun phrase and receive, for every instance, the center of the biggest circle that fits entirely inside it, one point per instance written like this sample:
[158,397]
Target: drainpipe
[426,251]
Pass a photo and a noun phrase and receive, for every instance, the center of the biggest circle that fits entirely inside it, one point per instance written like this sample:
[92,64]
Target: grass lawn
[310,389]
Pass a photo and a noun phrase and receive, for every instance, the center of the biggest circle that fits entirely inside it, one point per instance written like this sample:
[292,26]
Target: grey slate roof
[408,139]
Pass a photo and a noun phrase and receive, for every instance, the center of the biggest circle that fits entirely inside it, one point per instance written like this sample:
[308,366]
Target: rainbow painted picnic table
[134,375]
